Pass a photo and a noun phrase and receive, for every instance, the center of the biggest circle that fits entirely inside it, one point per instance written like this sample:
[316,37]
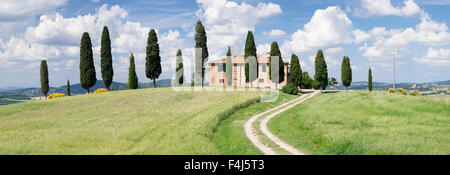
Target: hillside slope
[144,121]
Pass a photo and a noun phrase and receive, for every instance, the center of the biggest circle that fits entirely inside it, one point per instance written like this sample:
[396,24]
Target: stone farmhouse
[217,73]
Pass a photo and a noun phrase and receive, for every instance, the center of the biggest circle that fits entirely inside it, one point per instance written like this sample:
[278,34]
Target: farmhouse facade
[217,73]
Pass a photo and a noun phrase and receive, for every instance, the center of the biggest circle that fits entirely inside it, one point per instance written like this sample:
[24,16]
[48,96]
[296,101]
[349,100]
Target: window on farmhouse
[219,68]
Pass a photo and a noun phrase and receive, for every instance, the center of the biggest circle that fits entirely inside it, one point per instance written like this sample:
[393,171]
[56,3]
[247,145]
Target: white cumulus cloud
[58,30]
[275,33]
[329,26]
[384,7]
[57,38]
[385,42]
[17,10]
[434,57]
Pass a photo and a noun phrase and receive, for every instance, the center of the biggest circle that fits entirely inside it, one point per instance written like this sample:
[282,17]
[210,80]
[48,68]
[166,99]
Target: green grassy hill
[360,122]
[144,121]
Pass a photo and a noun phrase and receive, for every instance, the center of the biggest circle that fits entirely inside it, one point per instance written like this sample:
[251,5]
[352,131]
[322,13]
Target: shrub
[400,90]
[404,92]
[290,89]
[100,90]
[315,84]
[391,90]
[415,93]
[55,95]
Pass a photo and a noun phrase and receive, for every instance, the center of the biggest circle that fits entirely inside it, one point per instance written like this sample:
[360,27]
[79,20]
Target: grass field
[360,122]
[145,121]
[230,138]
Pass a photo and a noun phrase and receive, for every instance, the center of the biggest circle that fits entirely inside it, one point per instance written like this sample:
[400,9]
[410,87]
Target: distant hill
[443,82]
[361,85]
[27,93]
[77,89]
[9,88]
[159,83]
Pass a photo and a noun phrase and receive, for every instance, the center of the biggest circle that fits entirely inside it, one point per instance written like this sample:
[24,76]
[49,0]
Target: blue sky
[369,32]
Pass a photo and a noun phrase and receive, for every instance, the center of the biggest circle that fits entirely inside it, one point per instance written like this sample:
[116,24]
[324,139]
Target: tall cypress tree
[44,78]
[179,69]
[68,88]
[321,75]
[275,51]
[346,72]
[87,69]
[370,80]
[201,42]
[250,50]
[296,71]
[132,77]
[106,58]
[153,60]
[229,70]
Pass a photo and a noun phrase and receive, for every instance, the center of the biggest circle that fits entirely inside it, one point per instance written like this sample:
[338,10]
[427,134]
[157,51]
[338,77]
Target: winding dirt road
[252,133]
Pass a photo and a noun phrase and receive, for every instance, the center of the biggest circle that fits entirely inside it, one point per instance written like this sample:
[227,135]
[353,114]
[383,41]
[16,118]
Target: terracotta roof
[240,60]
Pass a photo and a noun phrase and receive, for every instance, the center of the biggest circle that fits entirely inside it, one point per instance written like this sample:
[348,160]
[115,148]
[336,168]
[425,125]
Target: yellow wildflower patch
[55,95]
[100,90]
[391,90]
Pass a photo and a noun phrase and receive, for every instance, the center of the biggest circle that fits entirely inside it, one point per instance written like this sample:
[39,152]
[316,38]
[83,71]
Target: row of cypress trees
[152,66]
[87,69]
[153,63]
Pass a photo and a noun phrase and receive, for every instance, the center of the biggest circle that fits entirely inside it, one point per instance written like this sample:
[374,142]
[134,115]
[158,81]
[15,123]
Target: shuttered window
[221,67]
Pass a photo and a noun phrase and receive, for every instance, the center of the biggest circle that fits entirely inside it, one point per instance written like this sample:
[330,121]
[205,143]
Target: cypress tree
[250,50]
[321,75]
[346,72]
[275,51]
[44,78]
[112,87]
[153,60]
[201,42]
[229,70]
[132,77]
[68,88]
[370,80]
[87,69]
[106,58]
[306,81]
[296,71]
[179,69]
